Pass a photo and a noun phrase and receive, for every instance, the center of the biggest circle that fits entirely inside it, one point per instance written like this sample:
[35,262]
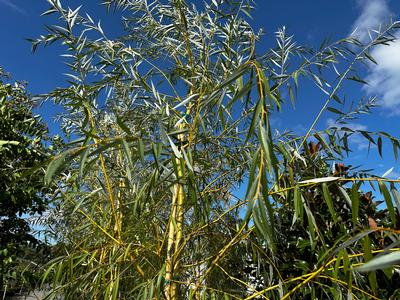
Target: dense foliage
[166,122]
[22,190]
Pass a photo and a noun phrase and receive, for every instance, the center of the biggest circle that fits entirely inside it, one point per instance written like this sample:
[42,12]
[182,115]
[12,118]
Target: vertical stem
[120,196]
[179,220]
[175,228]
[169,267]
[106,178]
[175,234]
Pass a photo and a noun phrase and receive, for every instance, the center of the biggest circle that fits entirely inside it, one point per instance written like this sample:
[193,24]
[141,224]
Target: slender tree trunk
[169,268]
[175,230]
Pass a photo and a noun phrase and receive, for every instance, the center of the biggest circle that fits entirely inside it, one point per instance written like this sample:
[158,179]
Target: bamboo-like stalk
[175,229]
[214,73]
[174,238]
[169,265]
[115,206]
[117,229]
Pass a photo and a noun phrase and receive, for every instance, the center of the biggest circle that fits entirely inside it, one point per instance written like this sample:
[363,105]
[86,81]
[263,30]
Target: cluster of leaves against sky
[166,122]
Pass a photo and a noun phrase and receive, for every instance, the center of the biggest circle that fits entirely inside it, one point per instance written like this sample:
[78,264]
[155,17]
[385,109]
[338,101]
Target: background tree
[166,121]
[22,193]
[317,228]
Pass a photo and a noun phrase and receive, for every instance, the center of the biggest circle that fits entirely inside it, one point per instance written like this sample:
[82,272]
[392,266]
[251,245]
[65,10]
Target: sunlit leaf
[320,180]
[55,164]
[380,262]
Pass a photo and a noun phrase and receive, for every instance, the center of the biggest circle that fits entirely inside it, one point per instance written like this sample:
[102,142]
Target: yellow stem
[175,230]
[106,178]
[170,248]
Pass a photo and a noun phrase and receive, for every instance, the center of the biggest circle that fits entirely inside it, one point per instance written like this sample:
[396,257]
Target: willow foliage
[167,120]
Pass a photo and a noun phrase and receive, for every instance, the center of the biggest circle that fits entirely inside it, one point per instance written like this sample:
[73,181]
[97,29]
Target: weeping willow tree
[166,122]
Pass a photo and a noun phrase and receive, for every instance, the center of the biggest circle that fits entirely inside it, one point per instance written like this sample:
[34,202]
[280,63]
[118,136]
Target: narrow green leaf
[259,221]
[334,110]
[251,186]
[395,147]
[396,197]
[389,272]
[255,118]
[357,79]
[82,161]
[291,95]
[345,195]
[156,147]
[295,76]
[346,261]
[312,226]
[298,205]
[268,213]
[367,136]
[175,149]
[388,199]
[369,56]
[115,288]
[56,163]
[337,99]
[339,259]
[141,150]
[355,203]
[328,200]
[252,174]
[128,152]
[58,274]
[233,76]
[241,92]
[323,142]
[367,257]
[352,240]
[380,146]
[265,144]
[187,160]
[380,262]
[345,140]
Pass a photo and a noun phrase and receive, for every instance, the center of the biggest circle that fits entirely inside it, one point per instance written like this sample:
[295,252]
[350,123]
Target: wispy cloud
[384,77]
[13,6]
[373,13]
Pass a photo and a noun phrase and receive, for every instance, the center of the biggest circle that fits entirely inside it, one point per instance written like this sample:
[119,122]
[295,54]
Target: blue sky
[309,21]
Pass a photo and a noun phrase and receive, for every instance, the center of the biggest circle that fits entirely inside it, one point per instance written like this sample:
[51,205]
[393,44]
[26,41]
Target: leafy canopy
[22,191]
[166,121]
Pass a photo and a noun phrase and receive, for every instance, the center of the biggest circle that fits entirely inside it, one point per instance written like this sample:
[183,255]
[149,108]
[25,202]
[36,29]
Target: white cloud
[373,13]
[13,6]
[384,78]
